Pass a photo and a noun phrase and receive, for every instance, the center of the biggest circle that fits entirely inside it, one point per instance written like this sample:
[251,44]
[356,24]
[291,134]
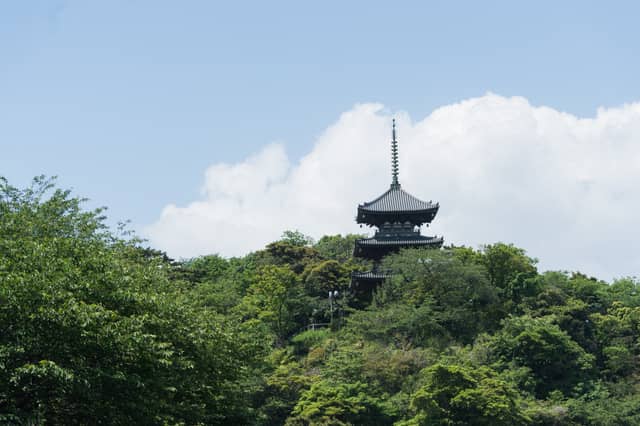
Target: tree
[509,268]
[616,333]
[590,290]
[458,294]
[337,403]
[337,247]
[283,387]
[94,331]
[326,276]
[296,238]
[275,297]
[206,268]
[462,395]
[554,359]
[626,291]
[285,253]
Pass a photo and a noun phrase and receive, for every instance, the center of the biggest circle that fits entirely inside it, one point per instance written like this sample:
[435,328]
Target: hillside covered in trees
[97,328]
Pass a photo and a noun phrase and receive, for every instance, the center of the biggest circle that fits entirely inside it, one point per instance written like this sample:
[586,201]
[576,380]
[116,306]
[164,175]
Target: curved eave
[372,248]
[369,275]
[366,281]
[377,218]
[422,241]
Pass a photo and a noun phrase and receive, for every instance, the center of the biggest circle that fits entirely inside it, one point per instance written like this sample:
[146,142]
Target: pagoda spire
[398,216]
[394,157]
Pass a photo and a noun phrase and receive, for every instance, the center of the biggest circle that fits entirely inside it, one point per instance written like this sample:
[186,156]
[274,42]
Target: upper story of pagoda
[396,205]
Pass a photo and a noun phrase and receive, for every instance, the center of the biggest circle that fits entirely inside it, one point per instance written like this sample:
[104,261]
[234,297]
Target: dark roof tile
[408,242]
[397,199]
[370,275]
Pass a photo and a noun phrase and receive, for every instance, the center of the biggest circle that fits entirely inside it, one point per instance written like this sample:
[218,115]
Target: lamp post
[332,296]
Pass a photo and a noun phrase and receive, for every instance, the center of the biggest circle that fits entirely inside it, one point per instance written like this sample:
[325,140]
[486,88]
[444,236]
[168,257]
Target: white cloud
[562,187]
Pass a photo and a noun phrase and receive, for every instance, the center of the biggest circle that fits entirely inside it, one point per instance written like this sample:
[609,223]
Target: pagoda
[398,216]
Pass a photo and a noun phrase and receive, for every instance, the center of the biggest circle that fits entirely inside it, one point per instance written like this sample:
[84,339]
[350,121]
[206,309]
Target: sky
[215,126]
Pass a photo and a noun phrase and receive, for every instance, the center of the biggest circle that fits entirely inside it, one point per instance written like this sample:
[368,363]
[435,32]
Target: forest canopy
[98,328]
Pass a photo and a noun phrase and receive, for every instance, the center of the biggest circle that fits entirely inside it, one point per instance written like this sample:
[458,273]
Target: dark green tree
[555,360]
[276,298]
[458,294]
[94,331]
[336,403]
[510,269]
[337,247]
[457,395]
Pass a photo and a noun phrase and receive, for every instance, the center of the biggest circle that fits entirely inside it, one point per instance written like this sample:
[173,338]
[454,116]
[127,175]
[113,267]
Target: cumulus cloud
[562,187]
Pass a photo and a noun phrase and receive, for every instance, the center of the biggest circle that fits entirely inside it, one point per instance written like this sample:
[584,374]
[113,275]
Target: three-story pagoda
[398,216]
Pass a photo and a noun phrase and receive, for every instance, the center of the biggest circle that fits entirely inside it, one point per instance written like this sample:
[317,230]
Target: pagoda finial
[394,157]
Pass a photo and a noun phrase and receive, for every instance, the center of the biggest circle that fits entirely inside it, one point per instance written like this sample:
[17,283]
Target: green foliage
[618,360]
[459,296]
[206,268]
[326,276]
[337,247]
[458,395]
[507,265]
[336,403]
[510,271]
[616,332]
[603,408]
[283,387]
[275,298]
[590,290]
[398,324]
[97,329]
[625,291]
[394,370]
[308,339]
[284,253]
[296,238]
[554,359]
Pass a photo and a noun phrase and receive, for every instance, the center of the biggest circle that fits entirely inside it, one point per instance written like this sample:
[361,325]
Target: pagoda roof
[397,199]
[365,282]
[394,204]
[404,242]
[370,275]
[376,248]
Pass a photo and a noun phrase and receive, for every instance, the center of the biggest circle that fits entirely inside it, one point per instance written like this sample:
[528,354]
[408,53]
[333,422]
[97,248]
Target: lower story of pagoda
[364,283]
[377,247]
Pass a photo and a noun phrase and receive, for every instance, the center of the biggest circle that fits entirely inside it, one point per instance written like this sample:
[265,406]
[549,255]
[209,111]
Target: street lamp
[332,296]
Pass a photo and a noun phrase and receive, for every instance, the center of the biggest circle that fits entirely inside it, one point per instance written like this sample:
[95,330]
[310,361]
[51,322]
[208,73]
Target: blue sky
[129,102]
